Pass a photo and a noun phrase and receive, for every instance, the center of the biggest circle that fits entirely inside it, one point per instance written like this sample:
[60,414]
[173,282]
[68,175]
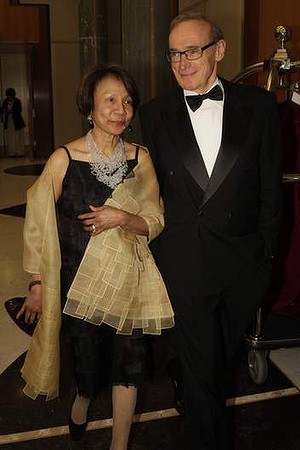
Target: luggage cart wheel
[258,365]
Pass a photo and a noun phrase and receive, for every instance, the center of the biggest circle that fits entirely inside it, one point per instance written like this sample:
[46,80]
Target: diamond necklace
[109,171]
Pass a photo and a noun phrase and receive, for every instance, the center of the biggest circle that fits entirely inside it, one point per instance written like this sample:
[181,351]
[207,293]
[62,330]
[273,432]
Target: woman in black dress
[88,220]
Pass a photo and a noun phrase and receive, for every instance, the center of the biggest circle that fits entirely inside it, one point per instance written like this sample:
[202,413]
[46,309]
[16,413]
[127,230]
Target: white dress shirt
[207,126]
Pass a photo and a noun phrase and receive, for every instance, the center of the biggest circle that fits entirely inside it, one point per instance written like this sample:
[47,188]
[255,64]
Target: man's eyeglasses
[192,53]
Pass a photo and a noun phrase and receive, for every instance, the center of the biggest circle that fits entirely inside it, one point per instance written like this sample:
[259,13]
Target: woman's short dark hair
[10,92]
[85,94]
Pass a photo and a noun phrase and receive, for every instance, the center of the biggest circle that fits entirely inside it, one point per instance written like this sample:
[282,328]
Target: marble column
[145,25]
[92,33]
[133,33]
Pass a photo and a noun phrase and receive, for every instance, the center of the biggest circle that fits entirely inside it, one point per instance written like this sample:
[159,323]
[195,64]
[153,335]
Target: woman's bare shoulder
[77,149]
[130,150]
[59,156]
[58,163]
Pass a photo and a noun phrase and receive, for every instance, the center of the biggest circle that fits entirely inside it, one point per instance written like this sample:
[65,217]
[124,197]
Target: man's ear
[220,50]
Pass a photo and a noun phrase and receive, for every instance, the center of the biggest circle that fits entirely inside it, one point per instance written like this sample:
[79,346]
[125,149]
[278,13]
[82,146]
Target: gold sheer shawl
[118,282]
[137,194]
[42,255]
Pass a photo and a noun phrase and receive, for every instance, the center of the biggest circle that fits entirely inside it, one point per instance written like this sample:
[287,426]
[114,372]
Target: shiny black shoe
[174,372]
[76,431]
[179,404]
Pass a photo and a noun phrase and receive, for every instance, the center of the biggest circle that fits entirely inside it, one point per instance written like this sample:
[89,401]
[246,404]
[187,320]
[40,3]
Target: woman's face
[112,106]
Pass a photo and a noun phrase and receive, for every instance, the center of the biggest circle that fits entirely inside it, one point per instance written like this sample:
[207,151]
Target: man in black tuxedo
[219,168]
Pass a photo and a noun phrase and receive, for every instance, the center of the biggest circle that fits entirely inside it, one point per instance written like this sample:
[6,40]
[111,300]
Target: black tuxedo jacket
[217,228]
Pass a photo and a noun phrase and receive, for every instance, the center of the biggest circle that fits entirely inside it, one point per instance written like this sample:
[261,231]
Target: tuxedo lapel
[184,143]
[235,123]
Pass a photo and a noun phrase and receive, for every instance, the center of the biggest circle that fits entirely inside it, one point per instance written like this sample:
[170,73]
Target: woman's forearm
[134,224]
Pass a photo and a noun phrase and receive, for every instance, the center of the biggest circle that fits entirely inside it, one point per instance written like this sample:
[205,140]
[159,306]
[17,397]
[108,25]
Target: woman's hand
[106,217]
[102,218]
[32,307]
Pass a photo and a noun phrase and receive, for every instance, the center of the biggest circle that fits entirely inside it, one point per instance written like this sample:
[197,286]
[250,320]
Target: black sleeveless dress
[99,356]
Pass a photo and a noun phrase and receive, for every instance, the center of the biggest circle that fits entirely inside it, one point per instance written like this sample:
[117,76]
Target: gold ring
[93,228]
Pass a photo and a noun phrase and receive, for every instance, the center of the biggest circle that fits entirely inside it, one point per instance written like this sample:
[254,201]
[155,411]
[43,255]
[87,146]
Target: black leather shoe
[174,372]
[179,405]
[77,431]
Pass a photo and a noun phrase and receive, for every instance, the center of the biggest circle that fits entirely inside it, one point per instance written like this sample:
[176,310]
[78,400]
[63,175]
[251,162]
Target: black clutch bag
[13,306]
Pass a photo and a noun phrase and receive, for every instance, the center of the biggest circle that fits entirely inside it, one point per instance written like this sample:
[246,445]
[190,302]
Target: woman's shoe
[77,431]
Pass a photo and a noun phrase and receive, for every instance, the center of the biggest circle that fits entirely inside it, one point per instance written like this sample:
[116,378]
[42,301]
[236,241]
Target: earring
[130,129]
[90,120]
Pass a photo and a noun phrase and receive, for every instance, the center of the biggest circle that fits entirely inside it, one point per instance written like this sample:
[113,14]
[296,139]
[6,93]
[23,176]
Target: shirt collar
[217,82]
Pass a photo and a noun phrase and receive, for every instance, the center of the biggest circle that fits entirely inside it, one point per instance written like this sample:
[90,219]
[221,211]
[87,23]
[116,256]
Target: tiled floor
[265,417]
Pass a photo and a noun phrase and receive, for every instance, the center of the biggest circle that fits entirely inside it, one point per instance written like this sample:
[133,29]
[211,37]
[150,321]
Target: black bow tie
[195,101]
